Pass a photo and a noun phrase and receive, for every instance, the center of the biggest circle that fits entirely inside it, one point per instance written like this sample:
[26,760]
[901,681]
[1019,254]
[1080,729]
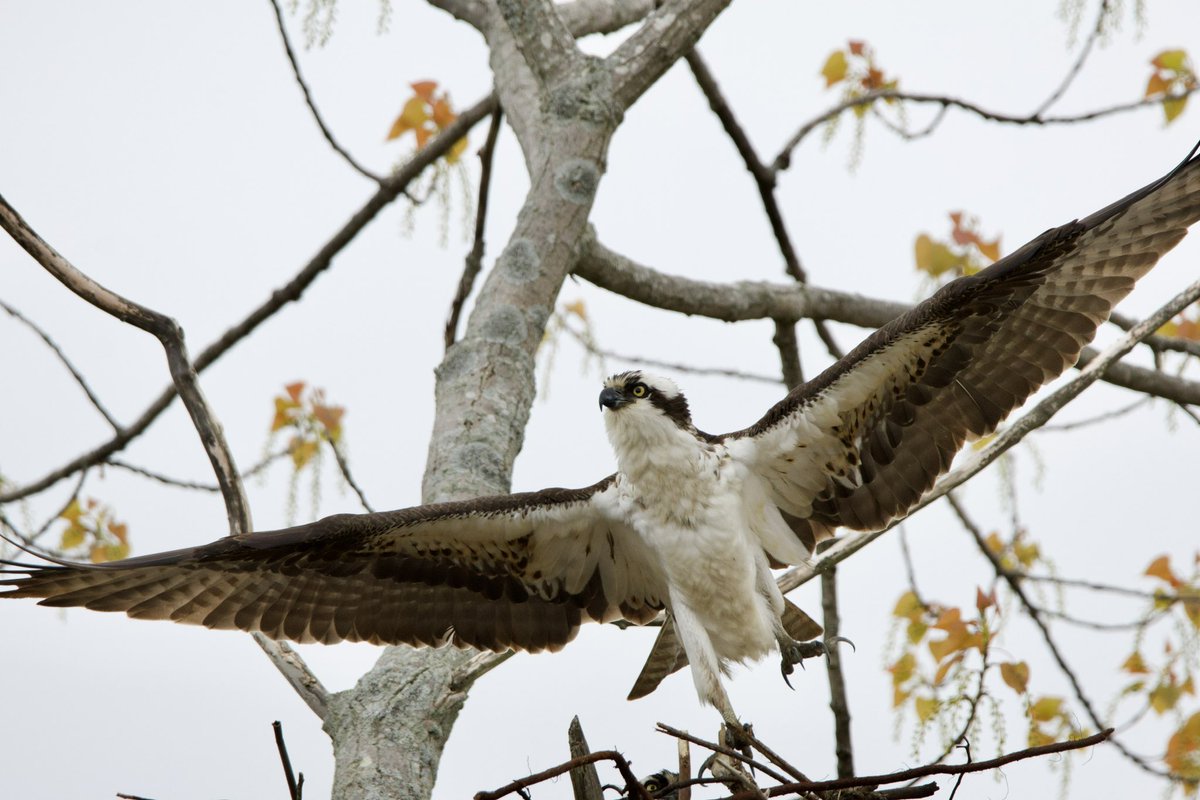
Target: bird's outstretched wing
[859,445]
[516,571]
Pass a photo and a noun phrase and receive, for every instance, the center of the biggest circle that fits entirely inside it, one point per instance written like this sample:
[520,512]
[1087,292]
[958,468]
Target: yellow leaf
[908,607]
[1174,60]
[72,512]
[898,697]
[916,631]
[1173,108]
[580,310]
[72,537]
[1026,553]
[994,543]
[413,116]
[1135,664]
[1037,738]
[302,452]
[903,669]
[926,708]
[834,69]
[1183,750]
[1046,708]
[456,151]
[1161,568]
[1164,697]
[1016,675]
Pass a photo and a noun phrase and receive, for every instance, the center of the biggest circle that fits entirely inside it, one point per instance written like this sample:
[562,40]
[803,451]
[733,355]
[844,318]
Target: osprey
[691,522]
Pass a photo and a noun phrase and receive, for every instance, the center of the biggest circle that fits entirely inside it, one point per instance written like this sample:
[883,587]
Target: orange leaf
[443,115]
[413,116]
[982,600]
[990,250]
[294,390]
[425,90]
[1157,85]
[1161,568]
[857,47]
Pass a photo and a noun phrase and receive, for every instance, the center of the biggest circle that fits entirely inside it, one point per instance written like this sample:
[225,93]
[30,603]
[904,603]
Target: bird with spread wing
[691,523]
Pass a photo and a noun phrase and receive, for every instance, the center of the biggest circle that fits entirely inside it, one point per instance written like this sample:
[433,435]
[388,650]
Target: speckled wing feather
[517,571]
[859,445]
[667,656]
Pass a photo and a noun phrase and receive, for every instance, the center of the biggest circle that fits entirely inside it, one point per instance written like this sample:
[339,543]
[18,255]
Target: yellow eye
[638,390]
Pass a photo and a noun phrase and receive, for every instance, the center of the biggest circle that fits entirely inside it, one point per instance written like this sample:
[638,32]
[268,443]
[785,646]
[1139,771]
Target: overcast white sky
[165,149]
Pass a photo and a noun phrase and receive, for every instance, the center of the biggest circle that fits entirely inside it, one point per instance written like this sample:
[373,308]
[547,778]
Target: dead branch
[295,787]
[633,787]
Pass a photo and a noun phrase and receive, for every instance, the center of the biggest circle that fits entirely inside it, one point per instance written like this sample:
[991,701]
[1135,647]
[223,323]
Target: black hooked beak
[611,398]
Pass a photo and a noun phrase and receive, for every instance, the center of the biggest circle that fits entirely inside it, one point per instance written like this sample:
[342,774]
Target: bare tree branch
[743,300]
[672,30]
[783,160]
[62,357]
[312,106]
[434,149]
[1075,69]
[543,39]
[297,673]
[169,334]
[474,260]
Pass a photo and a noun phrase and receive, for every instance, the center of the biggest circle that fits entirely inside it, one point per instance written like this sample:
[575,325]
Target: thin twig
[196,485]
[1035,615]
[1075,69]
[590,346]
[1104,417]
[344,468]
[474,260]
[312,106]
[293,785]
[783,160]
[62,357]
[168,333]
[764,180]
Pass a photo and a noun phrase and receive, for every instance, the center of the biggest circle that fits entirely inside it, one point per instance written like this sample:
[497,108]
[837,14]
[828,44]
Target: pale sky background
[166,150]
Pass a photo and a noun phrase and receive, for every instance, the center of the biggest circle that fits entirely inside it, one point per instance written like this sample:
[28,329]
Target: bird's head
[646,397]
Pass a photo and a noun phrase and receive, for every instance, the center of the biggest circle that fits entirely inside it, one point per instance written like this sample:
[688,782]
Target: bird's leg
[706,672]
[794,653]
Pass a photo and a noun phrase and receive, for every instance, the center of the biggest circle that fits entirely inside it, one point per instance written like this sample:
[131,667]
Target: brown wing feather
[893,413]
[494,573]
